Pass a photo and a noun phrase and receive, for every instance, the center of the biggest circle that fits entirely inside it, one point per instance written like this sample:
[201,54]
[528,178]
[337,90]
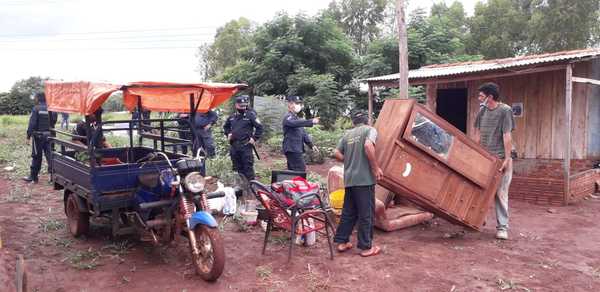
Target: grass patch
[19,196]
[83,260]
[13,148]
[51,225]
[279,239]
[264,272]
[8,120]
[508,284]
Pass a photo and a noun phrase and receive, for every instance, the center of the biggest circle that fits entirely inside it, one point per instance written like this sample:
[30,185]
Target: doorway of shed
[451,104]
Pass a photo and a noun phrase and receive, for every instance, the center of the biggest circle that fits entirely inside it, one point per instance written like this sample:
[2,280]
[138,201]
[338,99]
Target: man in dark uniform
[243,129]
[96,133]
[203,123]
[40,122]
[294,135]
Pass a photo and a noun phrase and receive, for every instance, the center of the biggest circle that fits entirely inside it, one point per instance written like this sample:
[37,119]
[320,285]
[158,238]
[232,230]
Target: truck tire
[77,221]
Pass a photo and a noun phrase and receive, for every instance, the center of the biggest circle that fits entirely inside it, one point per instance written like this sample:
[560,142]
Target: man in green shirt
[493,127]
[361,172]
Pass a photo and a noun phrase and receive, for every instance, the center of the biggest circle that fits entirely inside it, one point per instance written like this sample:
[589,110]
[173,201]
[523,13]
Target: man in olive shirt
[361,172]
[493,127]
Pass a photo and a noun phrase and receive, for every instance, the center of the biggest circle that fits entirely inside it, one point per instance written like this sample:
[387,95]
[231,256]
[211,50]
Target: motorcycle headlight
[194,182]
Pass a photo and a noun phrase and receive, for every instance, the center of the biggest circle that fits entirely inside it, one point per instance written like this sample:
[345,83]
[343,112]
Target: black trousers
[39,146]
[359,208]
[295,161]
[242,159]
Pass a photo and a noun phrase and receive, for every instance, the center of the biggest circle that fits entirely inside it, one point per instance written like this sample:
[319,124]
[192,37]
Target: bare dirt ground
[555,249]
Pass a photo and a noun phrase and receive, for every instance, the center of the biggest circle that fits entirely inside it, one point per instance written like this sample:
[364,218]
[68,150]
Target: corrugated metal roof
[440,70]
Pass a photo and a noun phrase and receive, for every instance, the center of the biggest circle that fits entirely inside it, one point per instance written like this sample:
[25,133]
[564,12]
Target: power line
[96,49]
[108,32]
[141,38]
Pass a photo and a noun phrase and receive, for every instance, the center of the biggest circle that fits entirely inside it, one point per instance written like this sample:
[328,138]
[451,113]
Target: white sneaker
[502,234]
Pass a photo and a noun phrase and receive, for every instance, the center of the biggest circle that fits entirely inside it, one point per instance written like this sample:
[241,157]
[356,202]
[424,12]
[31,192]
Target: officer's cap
[295,98]
[242,99]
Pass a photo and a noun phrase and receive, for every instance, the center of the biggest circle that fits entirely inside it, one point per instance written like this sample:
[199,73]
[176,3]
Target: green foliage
[321,95]
[326,140]
[498,29]
[20,98]
[359,19]
[12,132]
[219,166]
[301,55]
[226,50]
[557,25]
[114,103]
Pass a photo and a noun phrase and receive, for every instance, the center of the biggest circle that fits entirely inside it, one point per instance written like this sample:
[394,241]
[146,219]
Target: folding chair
[292,217]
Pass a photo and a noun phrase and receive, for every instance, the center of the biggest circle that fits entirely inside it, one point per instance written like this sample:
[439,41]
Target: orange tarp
[86,97]
[77,97]
[175,97]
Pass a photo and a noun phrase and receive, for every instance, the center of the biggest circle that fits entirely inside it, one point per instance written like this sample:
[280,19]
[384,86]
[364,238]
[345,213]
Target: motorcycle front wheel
[210,262]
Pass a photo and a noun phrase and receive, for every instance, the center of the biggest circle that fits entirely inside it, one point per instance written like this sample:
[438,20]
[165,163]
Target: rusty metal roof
[440,70]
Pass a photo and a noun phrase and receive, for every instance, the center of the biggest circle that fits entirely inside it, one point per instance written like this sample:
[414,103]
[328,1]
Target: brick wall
[541,181]
[583,184]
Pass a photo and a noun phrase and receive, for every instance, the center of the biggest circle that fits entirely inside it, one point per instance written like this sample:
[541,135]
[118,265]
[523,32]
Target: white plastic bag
[230,201]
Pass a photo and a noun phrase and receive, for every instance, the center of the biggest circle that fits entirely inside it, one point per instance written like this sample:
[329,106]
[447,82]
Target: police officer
[294,135]
[203,123]
[40,122]
[243,129]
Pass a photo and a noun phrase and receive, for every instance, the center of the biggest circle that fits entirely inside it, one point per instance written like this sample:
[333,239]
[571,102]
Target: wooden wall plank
[531,121]
[558,119]
[544,135]
[579,115]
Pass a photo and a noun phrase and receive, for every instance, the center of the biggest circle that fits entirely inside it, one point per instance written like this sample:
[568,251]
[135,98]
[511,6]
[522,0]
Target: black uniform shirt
[294,135]
[243,126]
[41,120]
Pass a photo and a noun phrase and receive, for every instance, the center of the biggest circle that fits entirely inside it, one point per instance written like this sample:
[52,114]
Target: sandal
[342,247]
[371,252]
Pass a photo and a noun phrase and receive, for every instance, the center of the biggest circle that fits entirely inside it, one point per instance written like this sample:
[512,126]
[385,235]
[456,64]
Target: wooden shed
[556,101]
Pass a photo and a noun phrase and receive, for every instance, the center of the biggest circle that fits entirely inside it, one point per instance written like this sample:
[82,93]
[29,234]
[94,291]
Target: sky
[125,40]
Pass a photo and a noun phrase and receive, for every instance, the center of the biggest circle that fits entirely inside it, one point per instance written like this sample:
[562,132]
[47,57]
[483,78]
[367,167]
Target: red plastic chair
[293,219]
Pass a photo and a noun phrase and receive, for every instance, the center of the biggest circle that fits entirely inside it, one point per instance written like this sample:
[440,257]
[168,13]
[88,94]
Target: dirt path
[548,251]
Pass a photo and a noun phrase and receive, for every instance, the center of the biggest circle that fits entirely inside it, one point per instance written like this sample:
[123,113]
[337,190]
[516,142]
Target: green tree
[557,25]
[226,50]
[20,98]
[361,20]
[498,29]
[287,49]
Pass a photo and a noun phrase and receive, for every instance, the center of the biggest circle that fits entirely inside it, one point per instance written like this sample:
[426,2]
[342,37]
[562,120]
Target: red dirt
[548,251]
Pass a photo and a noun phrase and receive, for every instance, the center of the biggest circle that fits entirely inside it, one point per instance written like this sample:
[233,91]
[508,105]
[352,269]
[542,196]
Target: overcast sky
[124,40]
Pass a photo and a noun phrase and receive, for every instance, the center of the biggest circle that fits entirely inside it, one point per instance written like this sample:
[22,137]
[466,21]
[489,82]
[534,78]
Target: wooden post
[431,101]
[403,50]
[568,109]
[370,104]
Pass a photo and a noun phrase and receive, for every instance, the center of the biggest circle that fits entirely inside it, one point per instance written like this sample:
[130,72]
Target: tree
[361,20]
[498,29]
[557,25]
[20,98]
[225,51]
[288,49]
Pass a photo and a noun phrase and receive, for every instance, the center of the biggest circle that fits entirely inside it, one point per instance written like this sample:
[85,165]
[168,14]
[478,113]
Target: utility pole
[403,47]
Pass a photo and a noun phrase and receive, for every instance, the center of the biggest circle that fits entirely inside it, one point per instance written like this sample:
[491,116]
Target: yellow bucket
[337,198]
